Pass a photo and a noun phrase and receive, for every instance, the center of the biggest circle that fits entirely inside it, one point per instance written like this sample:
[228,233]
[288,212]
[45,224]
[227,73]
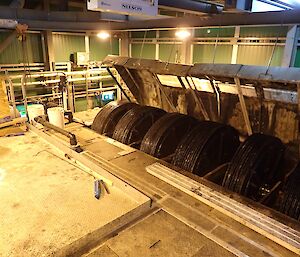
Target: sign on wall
[131,7]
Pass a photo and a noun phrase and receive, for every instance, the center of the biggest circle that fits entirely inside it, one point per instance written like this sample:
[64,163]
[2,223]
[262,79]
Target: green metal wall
[170,52]
[297,59]
[143,34]
[100,49]
[273,31]
[13,54]
[215,32]
[65,45]
[259,55]
[205,54]
[148,51]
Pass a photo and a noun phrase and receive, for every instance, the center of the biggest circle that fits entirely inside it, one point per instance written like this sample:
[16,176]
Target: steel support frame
[243,105]
[118,84]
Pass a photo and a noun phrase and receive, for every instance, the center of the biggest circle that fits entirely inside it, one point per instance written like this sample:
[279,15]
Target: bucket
[35,110]
[56,116]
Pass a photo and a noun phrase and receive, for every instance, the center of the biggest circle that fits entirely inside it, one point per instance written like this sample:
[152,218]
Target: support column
[124,49]
[87,44]
[290,47]
[186,50]
[235,45]
[157,45]
[48,50]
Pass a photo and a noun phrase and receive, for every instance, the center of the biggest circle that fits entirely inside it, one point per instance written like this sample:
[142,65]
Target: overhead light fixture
[182,34]
[103,35]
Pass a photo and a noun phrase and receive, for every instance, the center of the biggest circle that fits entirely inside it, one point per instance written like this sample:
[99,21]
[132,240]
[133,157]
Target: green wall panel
[170,52]
[65,45]
[147,53]
[205,53]
[215,32]
[13,54]
[167,33]
[99,49]
[297,60]
[259,55]
[141,34]
[273,31]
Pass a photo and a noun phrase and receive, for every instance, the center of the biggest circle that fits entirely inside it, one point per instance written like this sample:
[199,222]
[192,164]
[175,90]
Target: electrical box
[130,7]
[81,58]
[108,96]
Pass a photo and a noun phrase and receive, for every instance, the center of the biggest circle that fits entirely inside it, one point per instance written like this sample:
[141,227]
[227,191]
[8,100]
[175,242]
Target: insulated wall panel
[259,55]
[215,32]
[100,49]
[16,52]
[212,54]
[143,34]
[139,51]
[65,45]
[271,31]
[297,60]
[170,53]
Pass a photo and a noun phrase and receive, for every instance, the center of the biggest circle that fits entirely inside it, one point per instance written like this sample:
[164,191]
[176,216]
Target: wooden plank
[270,228]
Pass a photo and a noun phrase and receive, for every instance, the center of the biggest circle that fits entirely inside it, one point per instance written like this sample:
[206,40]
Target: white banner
[131,7]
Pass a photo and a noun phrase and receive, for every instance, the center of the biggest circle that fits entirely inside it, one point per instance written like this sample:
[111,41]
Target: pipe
[190,5]
[42,120]
[73,21]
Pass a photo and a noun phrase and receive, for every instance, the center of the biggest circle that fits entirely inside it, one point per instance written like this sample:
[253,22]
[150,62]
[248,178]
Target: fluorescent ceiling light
[103,35]
[182,34]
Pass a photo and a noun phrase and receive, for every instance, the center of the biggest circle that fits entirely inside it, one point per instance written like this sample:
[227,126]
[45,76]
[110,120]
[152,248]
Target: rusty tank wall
[269,117]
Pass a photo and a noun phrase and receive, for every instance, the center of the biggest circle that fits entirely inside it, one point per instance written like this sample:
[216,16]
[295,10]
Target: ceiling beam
[93,21]
[189,5]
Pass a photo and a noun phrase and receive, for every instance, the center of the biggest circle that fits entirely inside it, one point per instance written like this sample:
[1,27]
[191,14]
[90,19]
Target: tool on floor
[97,188]
[98,184]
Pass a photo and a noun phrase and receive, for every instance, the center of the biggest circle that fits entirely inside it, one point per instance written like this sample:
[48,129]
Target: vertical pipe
[24,95]
[87,75]
[13,98]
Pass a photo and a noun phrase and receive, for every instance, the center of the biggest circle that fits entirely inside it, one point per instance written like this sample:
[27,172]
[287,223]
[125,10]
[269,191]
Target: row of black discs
[290,203]
[196,146]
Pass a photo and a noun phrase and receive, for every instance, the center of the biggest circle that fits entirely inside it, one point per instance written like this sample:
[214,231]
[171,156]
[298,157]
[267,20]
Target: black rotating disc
[108,117]
[133,126]
[290,204]
[164,136]
[255,167]
[207,146]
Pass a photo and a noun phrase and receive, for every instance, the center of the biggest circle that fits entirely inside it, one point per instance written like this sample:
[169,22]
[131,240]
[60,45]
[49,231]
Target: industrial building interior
[149,128]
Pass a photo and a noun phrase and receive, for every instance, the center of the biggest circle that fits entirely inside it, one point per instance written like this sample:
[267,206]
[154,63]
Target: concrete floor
[50,209]
[46,202]
[181,219]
